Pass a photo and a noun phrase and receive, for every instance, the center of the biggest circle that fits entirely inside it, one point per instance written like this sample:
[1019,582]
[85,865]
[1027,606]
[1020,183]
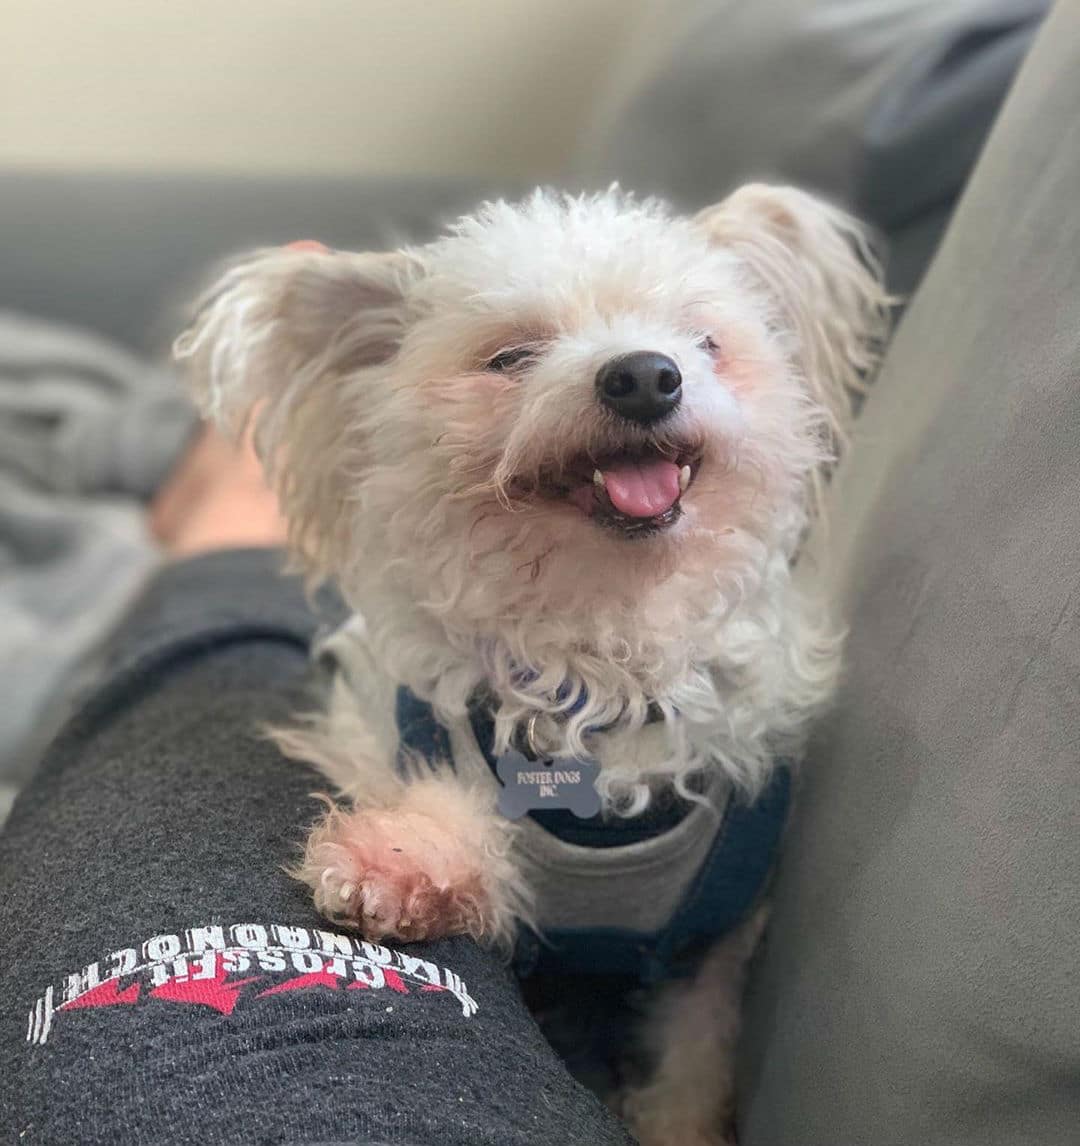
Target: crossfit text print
[222,967]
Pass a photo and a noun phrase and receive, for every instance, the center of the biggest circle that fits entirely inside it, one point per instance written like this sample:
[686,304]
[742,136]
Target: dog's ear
[282,341]
[824,281]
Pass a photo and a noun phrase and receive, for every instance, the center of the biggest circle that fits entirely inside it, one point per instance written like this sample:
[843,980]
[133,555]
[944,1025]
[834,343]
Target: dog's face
[577,369]
[575,422]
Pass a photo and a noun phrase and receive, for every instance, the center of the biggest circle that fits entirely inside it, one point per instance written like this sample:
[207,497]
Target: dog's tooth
[684,479]
[346,890]
[598,480]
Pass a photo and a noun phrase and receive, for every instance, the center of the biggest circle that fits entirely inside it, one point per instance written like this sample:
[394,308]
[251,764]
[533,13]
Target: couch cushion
[883,106]
[921,982]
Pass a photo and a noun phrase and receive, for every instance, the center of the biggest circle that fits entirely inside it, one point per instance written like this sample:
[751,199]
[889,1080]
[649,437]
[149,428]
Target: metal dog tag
[542,785]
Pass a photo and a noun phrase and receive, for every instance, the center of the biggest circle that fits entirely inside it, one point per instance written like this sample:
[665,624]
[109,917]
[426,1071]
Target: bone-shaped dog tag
[541,785]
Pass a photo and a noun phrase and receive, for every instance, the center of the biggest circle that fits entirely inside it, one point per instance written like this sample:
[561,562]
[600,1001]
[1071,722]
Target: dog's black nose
[643,386]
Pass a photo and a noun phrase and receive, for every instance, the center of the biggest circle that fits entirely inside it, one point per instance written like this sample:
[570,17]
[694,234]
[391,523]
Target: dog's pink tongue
[643,489]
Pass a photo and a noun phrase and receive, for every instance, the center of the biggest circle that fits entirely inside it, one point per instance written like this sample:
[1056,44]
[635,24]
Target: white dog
[559,462]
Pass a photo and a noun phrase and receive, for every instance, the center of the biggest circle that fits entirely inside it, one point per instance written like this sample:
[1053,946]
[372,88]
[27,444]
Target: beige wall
[386,86]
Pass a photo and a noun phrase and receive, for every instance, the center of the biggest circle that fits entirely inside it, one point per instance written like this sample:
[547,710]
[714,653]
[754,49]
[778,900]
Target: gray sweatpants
[162,980]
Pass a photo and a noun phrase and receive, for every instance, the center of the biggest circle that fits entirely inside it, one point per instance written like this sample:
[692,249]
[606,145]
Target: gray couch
[881,106]
[921,979]
[121,254]
[919,983]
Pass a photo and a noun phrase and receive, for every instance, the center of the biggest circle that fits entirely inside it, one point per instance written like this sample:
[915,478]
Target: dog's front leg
[690,1036]
[415,858]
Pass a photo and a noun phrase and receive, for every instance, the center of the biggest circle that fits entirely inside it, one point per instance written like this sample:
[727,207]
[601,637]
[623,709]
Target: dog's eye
[508,360]
[708,345]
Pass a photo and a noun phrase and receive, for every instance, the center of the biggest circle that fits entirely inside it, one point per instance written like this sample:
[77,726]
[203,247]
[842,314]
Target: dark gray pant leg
[151,843]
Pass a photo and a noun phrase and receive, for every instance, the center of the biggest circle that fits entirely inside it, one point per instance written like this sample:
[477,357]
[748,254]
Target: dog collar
[421,736]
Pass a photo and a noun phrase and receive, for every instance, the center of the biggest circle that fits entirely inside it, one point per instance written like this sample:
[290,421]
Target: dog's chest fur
[592,891]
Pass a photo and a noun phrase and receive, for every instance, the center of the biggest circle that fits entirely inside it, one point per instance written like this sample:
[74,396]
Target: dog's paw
[398,874]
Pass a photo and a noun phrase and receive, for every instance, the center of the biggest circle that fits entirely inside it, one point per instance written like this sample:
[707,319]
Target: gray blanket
[87,432]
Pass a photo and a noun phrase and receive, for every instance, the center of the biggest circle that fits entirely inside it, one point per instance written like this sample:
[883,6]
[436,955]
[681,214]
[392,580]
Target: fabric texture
[87,433]
[81,415]
[919,983]
[162,980]
[881,106]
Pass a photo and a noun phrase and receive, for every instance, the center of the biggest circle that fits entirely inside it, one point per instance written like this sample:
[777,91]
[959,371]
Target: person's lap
[162,977]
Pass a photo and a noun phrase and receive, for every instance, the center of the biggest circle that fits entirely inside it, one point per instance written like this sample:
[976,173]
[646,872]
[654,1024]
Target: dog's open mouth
[637,492]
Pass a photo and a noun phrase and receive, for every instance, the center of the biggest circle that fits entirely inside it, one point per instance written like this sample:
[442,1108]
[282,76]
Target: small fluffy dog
[559,462]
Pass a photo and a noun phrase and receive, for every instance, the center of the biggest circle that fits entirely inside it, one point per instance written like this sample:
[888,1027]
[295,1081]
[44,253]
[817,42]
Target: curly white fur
[421,480]
[394,453]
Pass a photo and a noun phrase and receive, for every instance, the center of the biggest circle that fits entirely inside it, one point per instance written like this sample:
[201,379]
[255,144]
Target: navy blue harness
[723,891]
